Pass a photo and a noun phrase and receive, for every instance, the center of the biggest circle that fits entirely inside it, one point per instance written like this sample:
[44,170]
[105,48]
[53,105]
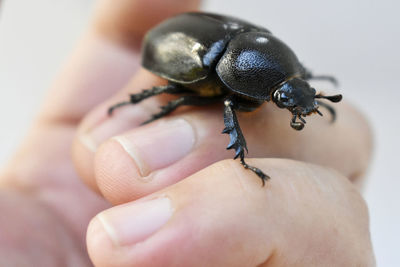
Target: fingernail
[159,145]
[132,223]
[126,119]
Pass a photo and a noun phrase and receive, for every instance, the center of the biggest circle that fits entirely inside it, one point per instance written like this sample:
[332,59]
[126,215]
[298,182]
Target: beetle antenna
[332,98]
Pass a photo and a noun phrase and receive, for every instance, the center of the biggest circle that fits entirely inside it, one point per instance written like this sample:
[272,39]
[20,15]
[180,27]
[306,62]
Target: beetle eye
[283,97]
[280,97]
[277,96]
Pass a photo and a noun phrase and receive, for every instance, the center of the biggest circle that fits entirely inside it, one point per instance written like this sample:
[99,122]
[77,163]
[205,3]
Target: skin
[189,206]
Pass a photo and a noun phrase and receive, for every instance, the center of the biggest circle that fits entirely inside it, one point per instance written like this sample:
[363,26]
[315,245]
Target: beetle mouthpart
[332,98]
[298,126]
[300,118]
[276,98]
[295,124]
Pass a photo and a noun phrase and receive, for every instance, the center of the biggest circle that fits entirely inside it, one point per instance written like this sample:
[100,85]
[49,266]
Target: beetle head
[299,98]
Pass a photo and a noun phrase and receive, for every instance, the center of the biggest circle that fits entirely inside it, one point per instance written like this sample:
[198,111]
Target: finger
[102,61]
[99,66]
[142,160]
[98,126]
[222,216]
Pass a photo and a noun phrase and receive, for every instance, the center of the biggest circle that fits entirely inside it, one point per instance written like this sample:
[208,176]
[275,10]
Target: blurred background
[357,41]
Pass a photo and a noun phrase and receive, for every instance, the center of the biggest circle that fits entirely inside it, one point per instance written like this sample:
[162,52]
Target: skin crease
[307,215]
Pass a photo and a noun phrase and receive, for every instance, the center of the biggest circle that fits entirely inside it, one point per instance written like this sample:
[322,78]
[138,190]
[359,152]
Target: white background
[358,41]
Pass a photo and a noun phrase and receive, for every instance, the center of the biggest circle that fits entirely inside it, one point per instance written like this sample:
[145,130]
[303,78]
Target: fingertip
[97,126]
[99,245]
[144,160]
[116,173]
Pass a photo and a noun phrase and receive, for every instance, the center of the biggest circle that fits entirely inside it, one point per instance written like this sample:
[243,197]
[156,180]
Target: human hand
[40,180]
[221,216]
[44,206]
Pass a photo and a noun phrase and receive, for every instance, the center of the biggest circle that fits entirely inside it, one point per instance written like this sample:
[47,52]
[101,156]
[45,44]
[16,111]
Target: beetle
[209,58]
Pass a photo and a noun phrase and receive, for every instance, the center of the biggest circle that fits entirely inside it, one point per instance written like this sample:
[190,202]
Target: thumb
[221,216]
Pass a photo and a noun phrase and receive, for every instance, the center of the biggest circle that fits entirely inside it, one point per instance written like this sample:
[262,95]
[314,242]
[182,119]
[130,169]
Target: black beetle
[210,58]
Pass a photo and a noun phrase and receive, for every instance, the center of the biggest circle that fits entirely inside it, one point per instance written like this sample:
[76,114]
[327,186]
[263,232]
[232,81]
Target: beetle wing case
[256,62]
[186,48]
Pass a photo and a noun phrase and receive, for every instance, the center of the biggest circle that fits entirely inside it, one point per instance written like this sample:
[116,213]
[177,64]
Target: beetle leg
[189,100]
[156,90]
[329,108]
[237,141]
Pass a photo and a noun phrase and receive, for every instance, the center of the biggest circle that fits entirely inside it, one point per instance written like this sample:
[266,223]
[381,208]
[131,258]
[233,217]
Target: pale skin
[178,199]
